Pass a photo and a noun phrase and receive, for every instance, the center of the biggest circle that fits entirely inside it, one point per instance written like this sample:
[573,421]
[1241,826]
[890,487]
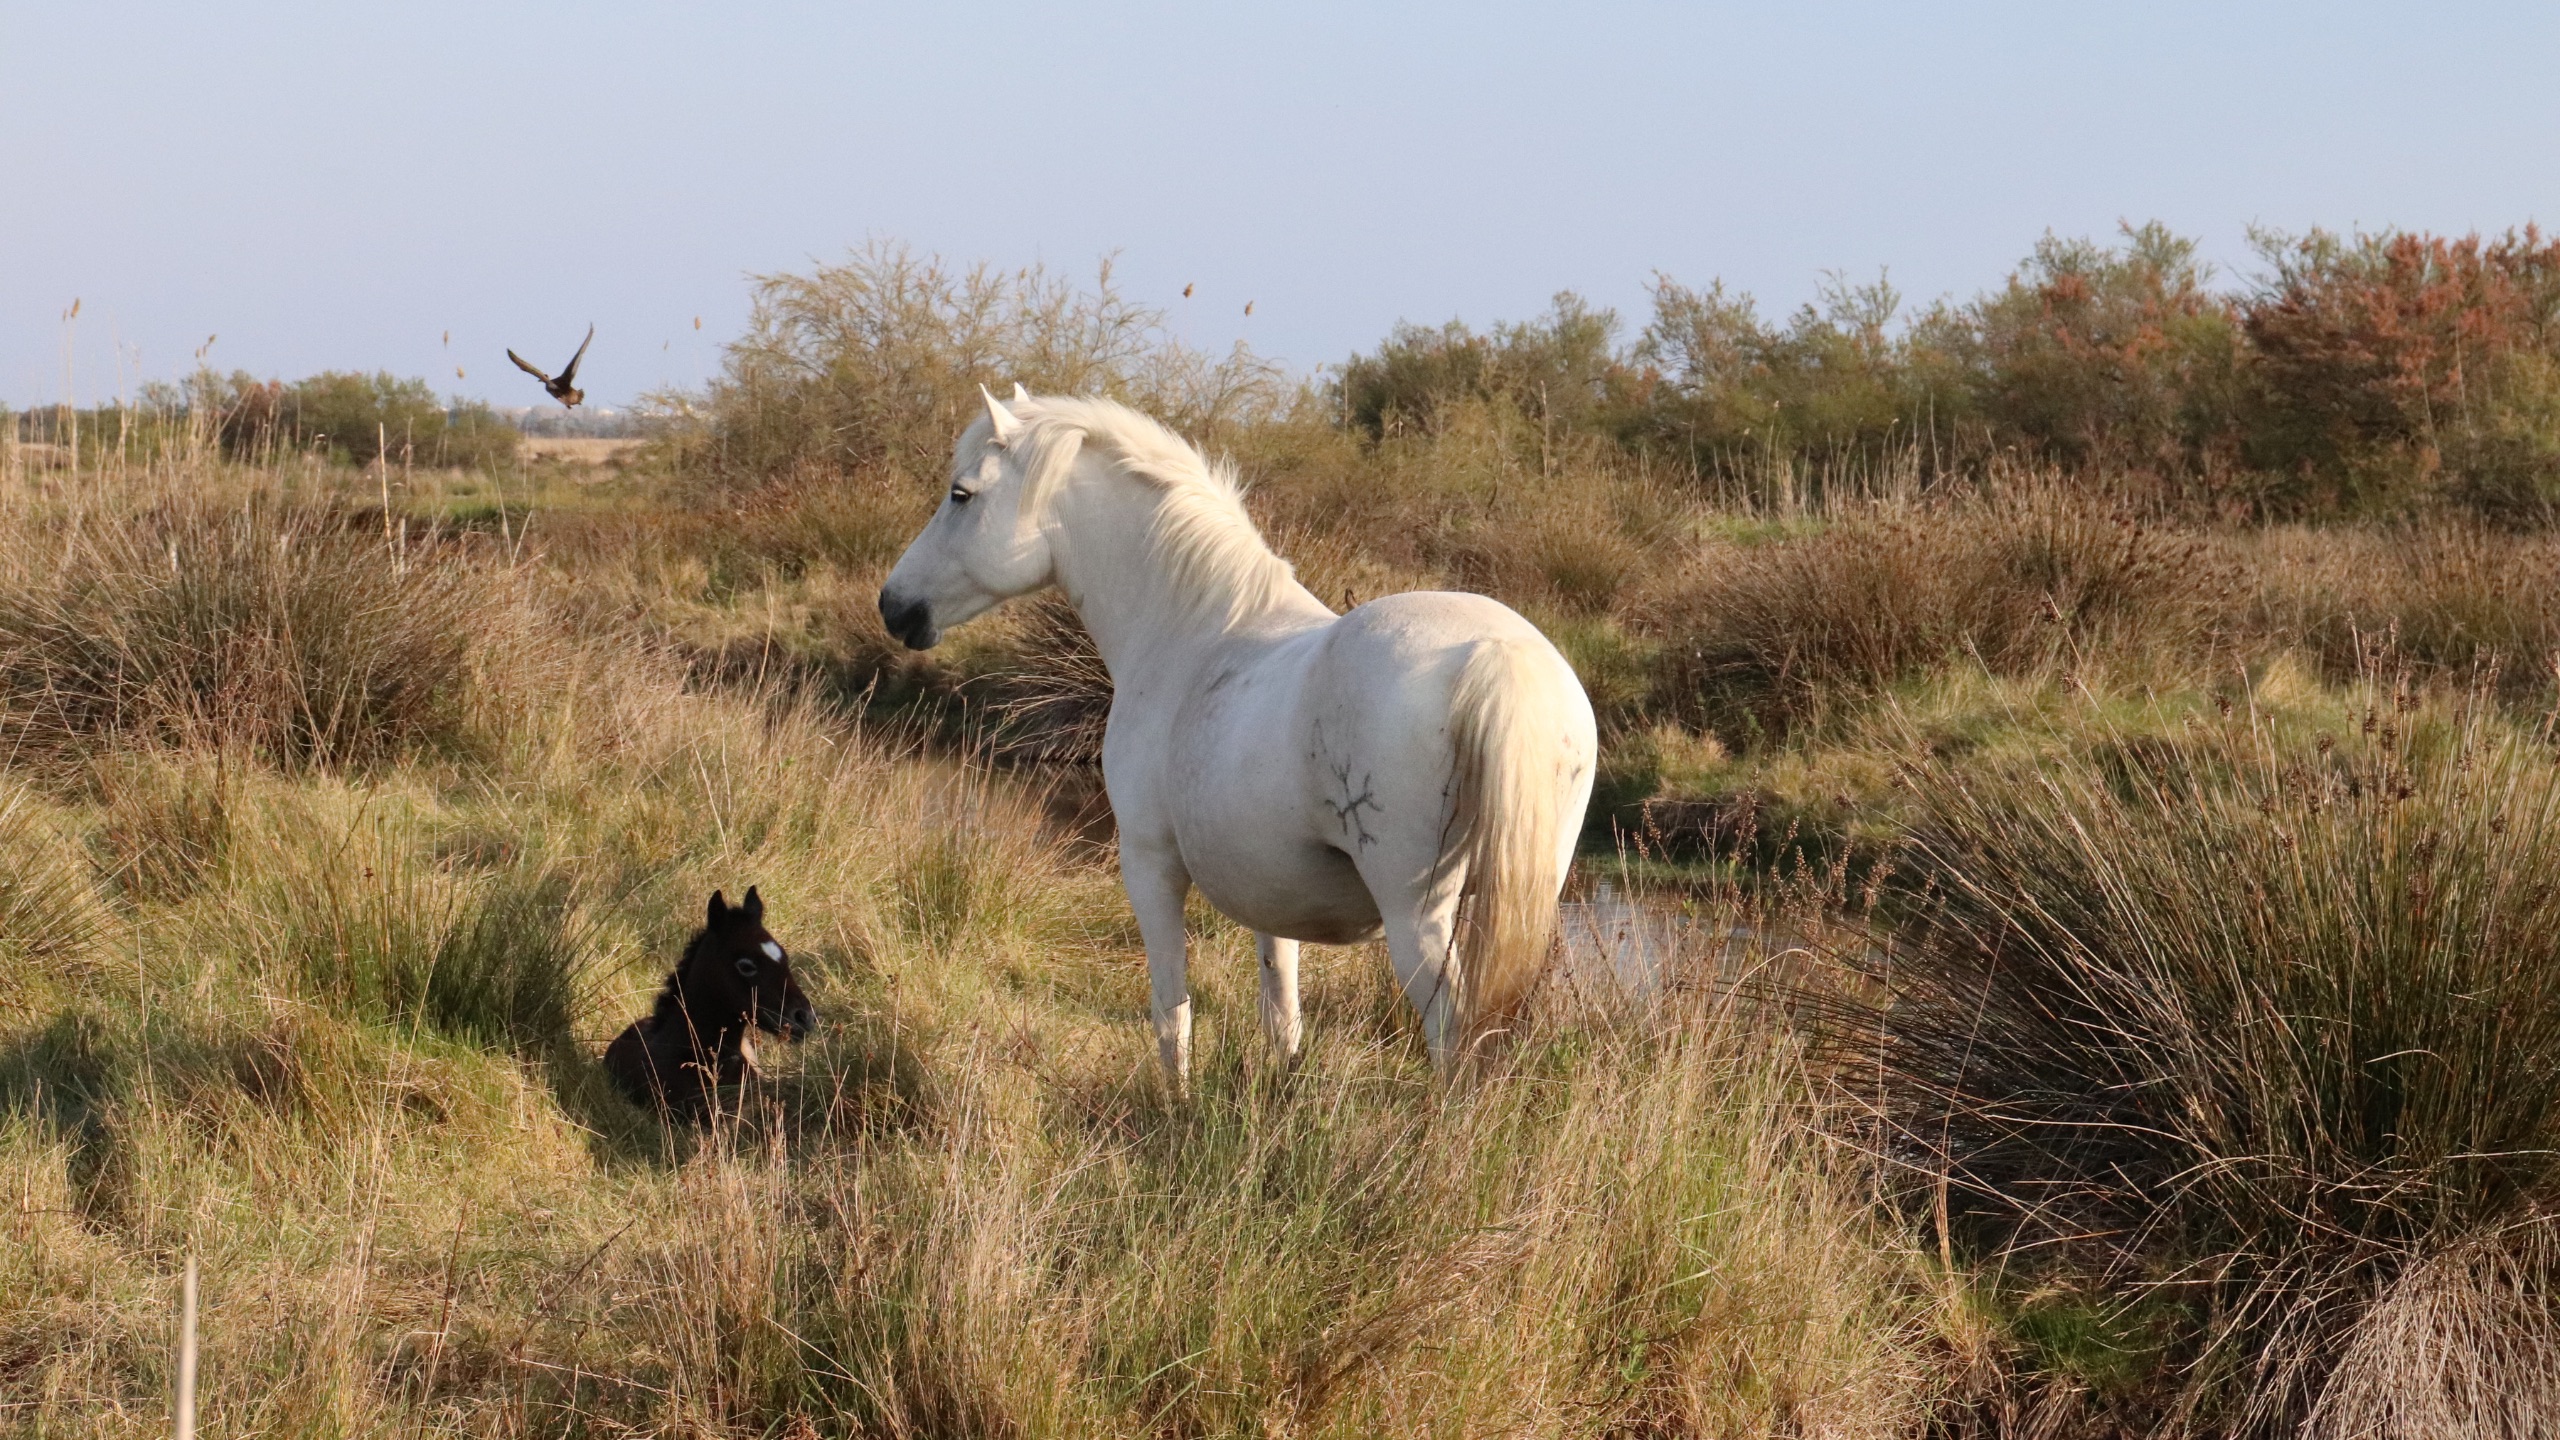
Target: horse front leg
[1158,884]
[1279,959]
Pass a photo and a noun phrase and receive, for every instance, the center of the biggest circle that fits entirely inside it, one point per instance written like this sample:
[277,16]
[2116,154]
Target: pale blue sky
[334,186]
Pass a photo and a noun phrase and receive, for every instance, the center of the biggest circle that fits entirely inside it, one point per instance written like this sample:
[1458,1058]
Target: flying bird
[1186,292]
[1248,307]
[564,388]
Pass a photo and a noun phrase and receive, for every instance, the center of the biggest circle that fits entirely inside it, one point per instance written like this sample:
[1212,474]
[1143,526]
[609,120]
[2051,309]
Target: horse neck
[689,1008]
[1147,613]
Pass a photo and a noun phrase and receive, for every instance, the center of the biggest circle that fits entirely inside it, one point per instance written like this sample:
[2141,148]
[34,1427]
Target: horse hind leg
[1420,946]
[1279,959]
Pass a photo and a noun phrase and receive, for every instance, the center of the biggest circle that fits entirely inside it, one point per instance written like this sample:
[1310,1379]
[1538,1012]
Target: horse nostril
[910,620]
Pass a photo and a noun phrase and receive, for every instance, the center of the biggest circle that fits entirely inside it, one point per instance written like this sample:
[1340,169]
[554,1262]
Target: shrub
[878,360]
[2268,1023]
[1560,369]
[2097,356]
[361,418]
[1836,391]
[241,414]
[474,438]
[2389,367]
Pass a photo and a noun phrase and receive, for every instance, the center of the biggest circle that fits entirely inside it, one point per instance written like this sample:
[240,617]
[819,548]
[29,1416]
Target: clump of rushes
[1762,638]
[2451,598]
[2267,1021]
[284,632]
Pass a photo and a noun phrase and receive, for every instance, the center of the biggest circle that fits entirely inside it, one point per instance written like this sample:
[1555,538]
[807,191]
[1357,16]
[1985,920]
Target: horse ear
[1019,394]
[719,908]
[753,909]
[1006,426]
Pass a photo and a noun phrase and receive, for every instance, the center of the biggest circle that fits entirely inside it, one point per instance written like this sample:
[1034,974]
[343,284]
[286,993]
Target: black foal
[734,979]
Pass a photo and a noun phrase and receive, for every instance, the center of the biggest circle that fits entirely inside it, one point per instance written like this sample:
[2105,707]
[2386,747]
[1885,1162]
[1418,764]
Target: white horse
[1317,776]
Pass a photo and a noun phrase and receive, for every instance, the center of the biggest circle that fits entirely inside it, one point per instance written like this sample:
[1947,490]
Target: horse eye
[747,966]
[959,496]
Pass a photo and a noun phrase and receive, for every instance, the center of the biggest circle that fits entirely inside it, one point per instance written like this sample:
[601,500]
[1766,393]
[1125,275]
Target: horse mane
[1211,549]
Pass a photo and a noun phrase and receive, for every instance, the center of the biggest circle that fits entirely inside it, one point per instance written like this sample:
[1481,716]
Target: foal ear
[719,908]
[1006,426]
[753,909]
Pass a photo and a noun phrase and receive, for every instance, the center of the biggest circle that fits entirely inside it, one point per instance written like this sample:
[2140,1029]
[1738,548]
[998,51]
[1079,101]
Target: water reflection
[1617,948]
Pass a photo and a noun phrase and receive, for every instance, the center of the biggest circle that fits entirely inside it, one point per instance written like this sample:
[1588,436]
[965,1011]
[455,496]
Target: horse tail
[1510,742]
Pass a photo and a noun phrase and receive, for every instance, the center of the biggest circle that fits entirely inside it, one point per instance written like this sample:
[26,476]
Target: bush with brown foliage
[2109,357]
[2384,368]
[2383,372]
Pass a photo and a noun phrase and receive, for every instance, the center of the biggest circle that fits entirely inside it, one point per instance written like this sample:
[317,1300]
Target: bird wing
[528,369]
[572,372]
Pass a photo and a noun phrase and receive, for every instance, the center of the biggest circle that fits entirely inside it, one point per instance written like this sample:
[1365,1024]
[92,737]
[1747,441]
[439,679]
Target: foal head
[735,975]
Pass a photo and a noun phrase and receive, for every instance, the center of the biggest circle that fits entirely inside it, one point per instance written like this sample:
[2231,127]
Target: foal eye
[747,966]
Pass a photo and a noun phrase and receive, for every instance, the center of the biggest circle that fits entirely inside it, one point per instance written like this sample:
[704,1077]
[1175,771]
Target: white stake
[187,1354]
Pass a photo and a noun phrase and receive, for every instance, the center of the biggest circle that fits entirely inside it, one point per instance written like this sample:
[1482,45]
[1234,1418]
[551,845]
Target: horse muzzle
[910,620]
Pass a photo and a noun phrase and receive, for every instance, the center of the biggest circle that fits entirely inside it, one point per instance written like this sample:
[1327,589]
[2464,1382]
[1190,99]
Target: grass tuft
[2266,1018]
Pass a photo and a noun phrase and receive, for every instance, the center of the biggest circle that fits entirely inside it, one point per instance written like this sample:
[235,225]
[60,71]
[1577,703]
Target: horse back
[1387,673]
[1330,755]
[633,1066]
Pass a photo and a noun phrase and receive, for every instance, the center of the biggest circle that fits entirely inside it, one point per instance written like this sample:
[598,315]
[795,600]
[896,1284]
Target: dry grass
[1758,637]
[328,1024]
[338,850]
[2462,602]
[582,449]
[283,633]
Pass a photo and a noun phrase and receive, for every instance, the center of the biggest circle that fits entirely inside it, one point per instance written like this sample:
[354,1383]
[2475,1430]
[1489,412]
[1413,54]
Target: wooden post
[382,471]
